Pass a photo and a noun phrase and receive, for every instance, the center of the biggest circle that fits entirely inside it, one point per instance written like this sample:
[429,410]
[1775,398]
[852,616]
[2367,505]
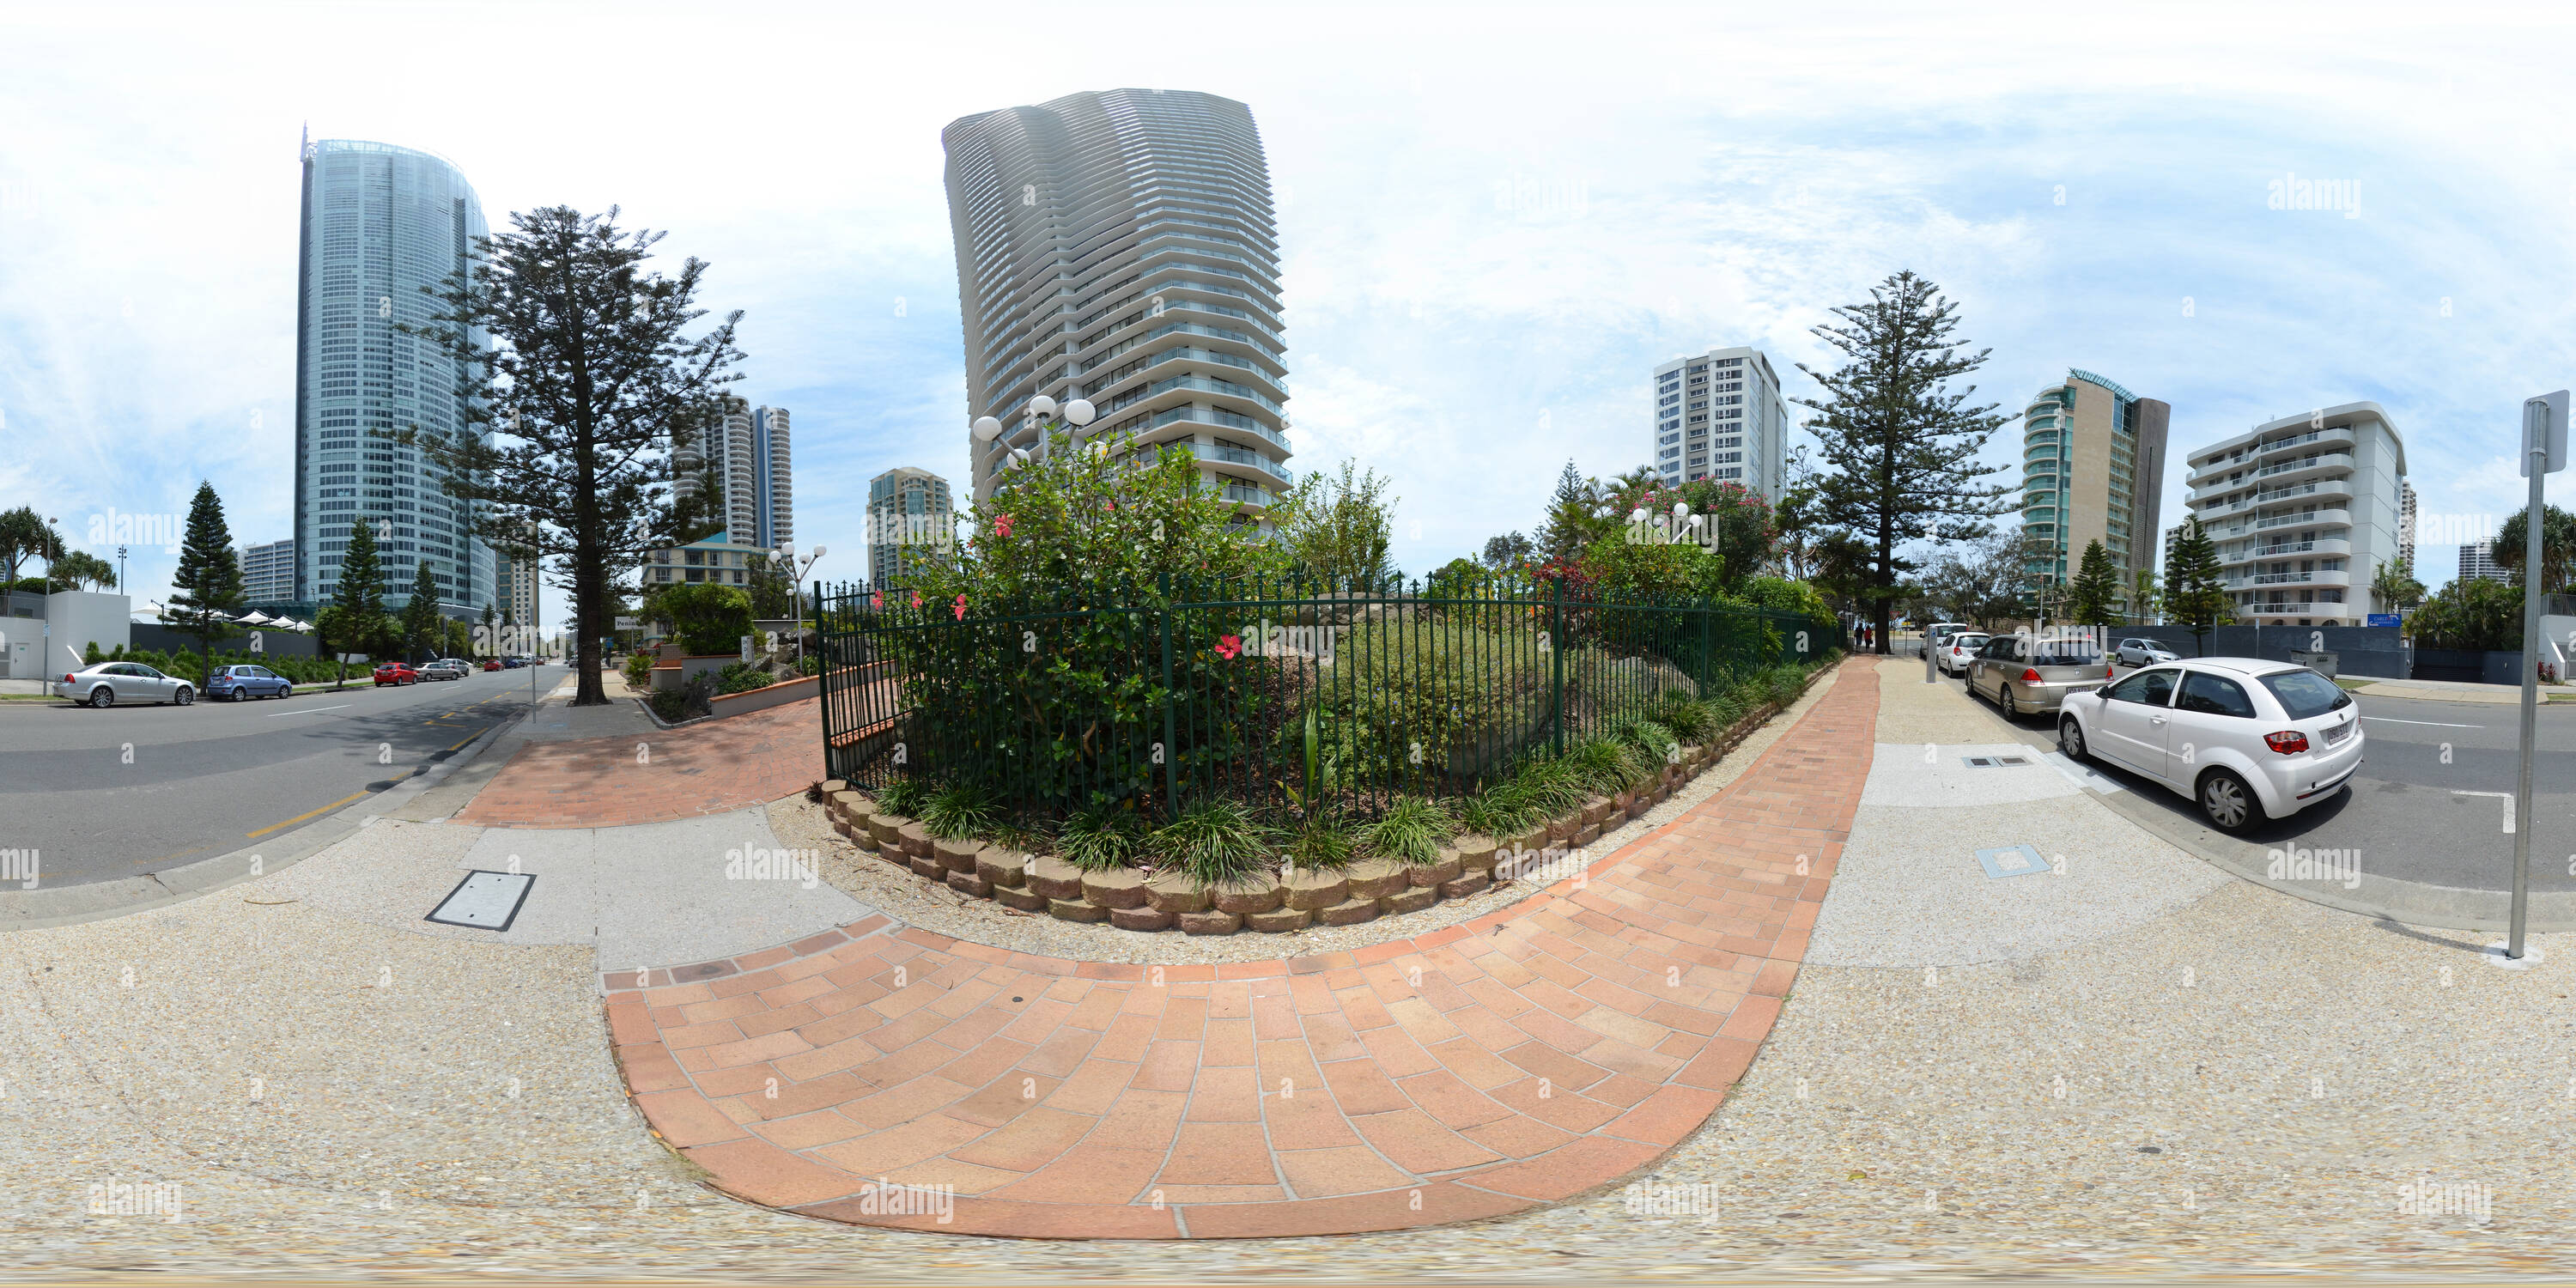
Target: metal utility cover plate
[1994,762]
[2017,861]
[484,900]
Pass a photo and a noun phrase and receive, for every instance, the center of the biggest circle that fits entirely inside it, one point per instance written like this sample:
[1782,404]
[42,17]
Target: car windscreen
[2306,693]
[2065,653]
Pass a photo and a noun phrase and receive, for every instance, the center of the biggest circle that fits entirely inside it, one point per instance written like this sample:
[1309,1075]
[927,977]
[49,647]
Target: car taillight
[67,679]
[2288,742]
[2029,676]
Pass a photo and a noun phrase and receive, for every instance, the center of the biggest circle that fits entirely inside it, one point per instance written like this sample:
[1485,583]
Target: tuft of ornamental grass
[1786,683]
[1599,767]
[959,811]
[1323,844]
[1411,832]
[1657,744]
[905,796]
[1096,838]
[1498,811]
[1214,841]
[1686,716]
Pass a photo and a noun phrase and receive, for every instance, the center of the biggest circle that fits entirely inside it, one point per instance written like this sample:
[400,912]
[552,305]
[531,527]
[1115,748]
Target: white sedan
[1952,653]
[2246,738]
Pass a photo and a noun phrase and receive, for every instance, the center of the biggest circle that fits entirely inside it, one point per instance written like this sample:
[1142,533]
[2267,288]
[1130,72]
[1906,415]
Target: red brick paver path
[1546,1049]
[712,768]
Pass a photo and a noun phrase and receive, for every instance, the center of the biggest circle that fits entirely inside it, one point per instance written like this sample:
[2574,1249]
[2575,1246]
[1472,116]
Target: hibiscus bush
[1039,652]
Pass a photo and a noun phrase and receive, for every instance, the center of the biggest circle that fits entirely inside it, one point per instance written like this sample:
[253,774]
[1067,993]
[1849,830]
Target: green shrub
[742,677]
[1098,837]
[1411,832]
[1653,742]
[1214,841]
[639,671]
[959,812]
[709,619]
[906,796]
[1323,843]
[1692,719]
[1466,696]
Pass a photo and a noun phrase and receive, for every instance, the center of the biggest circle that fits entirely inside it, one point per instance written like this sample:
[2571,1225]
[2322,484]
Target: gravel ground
[2289,1066]
[908,898]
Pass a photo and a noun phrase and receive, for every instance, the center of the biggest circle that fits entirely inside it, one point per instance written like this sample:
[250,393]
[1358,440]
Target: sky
[1495,219]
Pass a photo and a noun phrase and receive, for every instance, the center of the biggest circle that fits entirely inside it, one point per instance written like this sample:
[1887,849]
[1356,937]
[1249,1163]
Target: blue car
[239,682]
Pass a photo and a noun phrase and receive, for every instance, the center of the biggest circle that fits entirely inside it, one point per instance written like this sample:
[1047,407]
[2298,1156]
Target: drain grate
[2012,861]
[1995,762]
[484,900]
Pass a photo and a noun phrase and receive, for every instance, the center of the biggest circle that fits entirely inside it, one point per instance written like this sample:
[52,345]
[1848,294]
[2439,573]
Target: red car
[493,665]
[396,673]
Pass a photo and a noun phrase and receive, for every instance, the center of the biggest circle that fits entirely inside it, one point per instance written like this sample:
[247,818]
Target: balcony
[2297,610]
[2315,487]
[2312,577]
[2327,546]
[2336,516]
[2256,452]
[1238,456]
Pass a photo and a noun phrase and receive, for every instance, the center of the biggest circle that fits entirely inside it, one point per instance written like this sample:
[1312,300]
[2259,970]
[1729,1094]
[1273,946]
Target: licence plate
[2340,732]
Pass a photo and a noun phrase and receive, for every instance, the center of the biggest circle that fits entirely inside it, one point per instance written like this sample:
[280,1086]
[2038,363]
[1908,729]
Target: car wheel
[102,697]
[2070,739]
[2228,804]
[184,696]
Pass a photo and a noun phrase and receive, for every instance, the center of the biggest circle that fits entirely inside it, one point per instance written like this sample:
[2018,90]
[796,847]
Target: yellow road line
[253,836]
[471,737]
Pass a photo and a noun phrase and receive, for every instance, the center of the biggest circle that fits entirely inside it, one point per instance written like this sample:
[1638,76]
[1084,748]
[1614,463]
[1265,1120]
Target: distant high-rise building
[910,514]
[2093,469]
[380,224]
[2477,563]
[516,581]
[1719,416]
[743,451]
[268,572]
[1119,246]
[2406,522]
[2305,510]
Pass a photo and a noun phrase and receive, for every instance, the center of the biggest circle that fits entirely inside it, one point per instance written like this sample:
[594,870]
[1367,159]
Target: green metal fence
[1257,689]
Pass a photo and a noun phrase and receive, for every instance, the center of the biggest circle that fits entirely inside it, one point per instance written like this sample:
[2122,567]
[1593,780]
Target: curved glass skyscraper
[380,223]
[1119,246]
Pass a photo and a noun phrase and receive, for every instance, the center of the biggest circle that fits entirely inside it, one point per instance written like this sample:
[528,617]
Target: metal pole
[2536,456]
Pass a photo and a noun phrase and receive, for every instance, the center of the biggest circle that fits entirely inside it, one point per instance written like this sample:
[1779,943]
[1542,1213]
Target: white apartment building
[743,452]
[2477,563]
[1719,416]
[2304,511]
[268,572]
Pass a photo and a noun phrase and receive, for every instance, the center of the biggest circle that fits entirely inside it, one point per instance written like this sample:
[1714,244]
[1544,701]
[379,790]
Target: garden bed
[1365,890]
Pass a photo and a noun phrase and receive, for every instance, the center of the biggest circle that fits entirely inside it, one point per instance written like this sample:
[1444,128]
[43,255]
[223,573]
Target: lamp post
[2544,452]
[120,570]
[1079,412]
[796,570]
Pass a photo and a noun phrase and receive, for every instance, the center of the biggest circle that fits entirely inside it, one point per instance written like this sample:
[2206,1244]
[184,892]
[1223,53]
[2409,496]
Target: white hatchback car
[1954,651]
[2246,738]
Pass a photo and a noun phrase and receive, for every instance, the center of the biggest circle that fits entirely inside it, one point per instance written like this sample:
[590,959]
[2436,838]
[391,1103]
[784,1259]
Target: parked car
[1953,652]
[2031,674]
[492,664]
[239,682]
[2135,652]
[109,683]
[2246,738]
[396,673]
[445,668]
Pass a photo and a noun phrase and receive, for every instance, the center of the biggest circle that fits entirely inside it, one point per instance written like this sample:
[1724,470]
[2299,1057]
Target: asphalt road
[2414,811]
[103,795]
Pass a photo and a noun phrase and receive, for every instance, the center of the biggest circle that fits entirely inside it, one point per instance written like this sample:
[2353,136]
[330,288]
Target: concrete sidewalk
[2224,1081]
[2454,691]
